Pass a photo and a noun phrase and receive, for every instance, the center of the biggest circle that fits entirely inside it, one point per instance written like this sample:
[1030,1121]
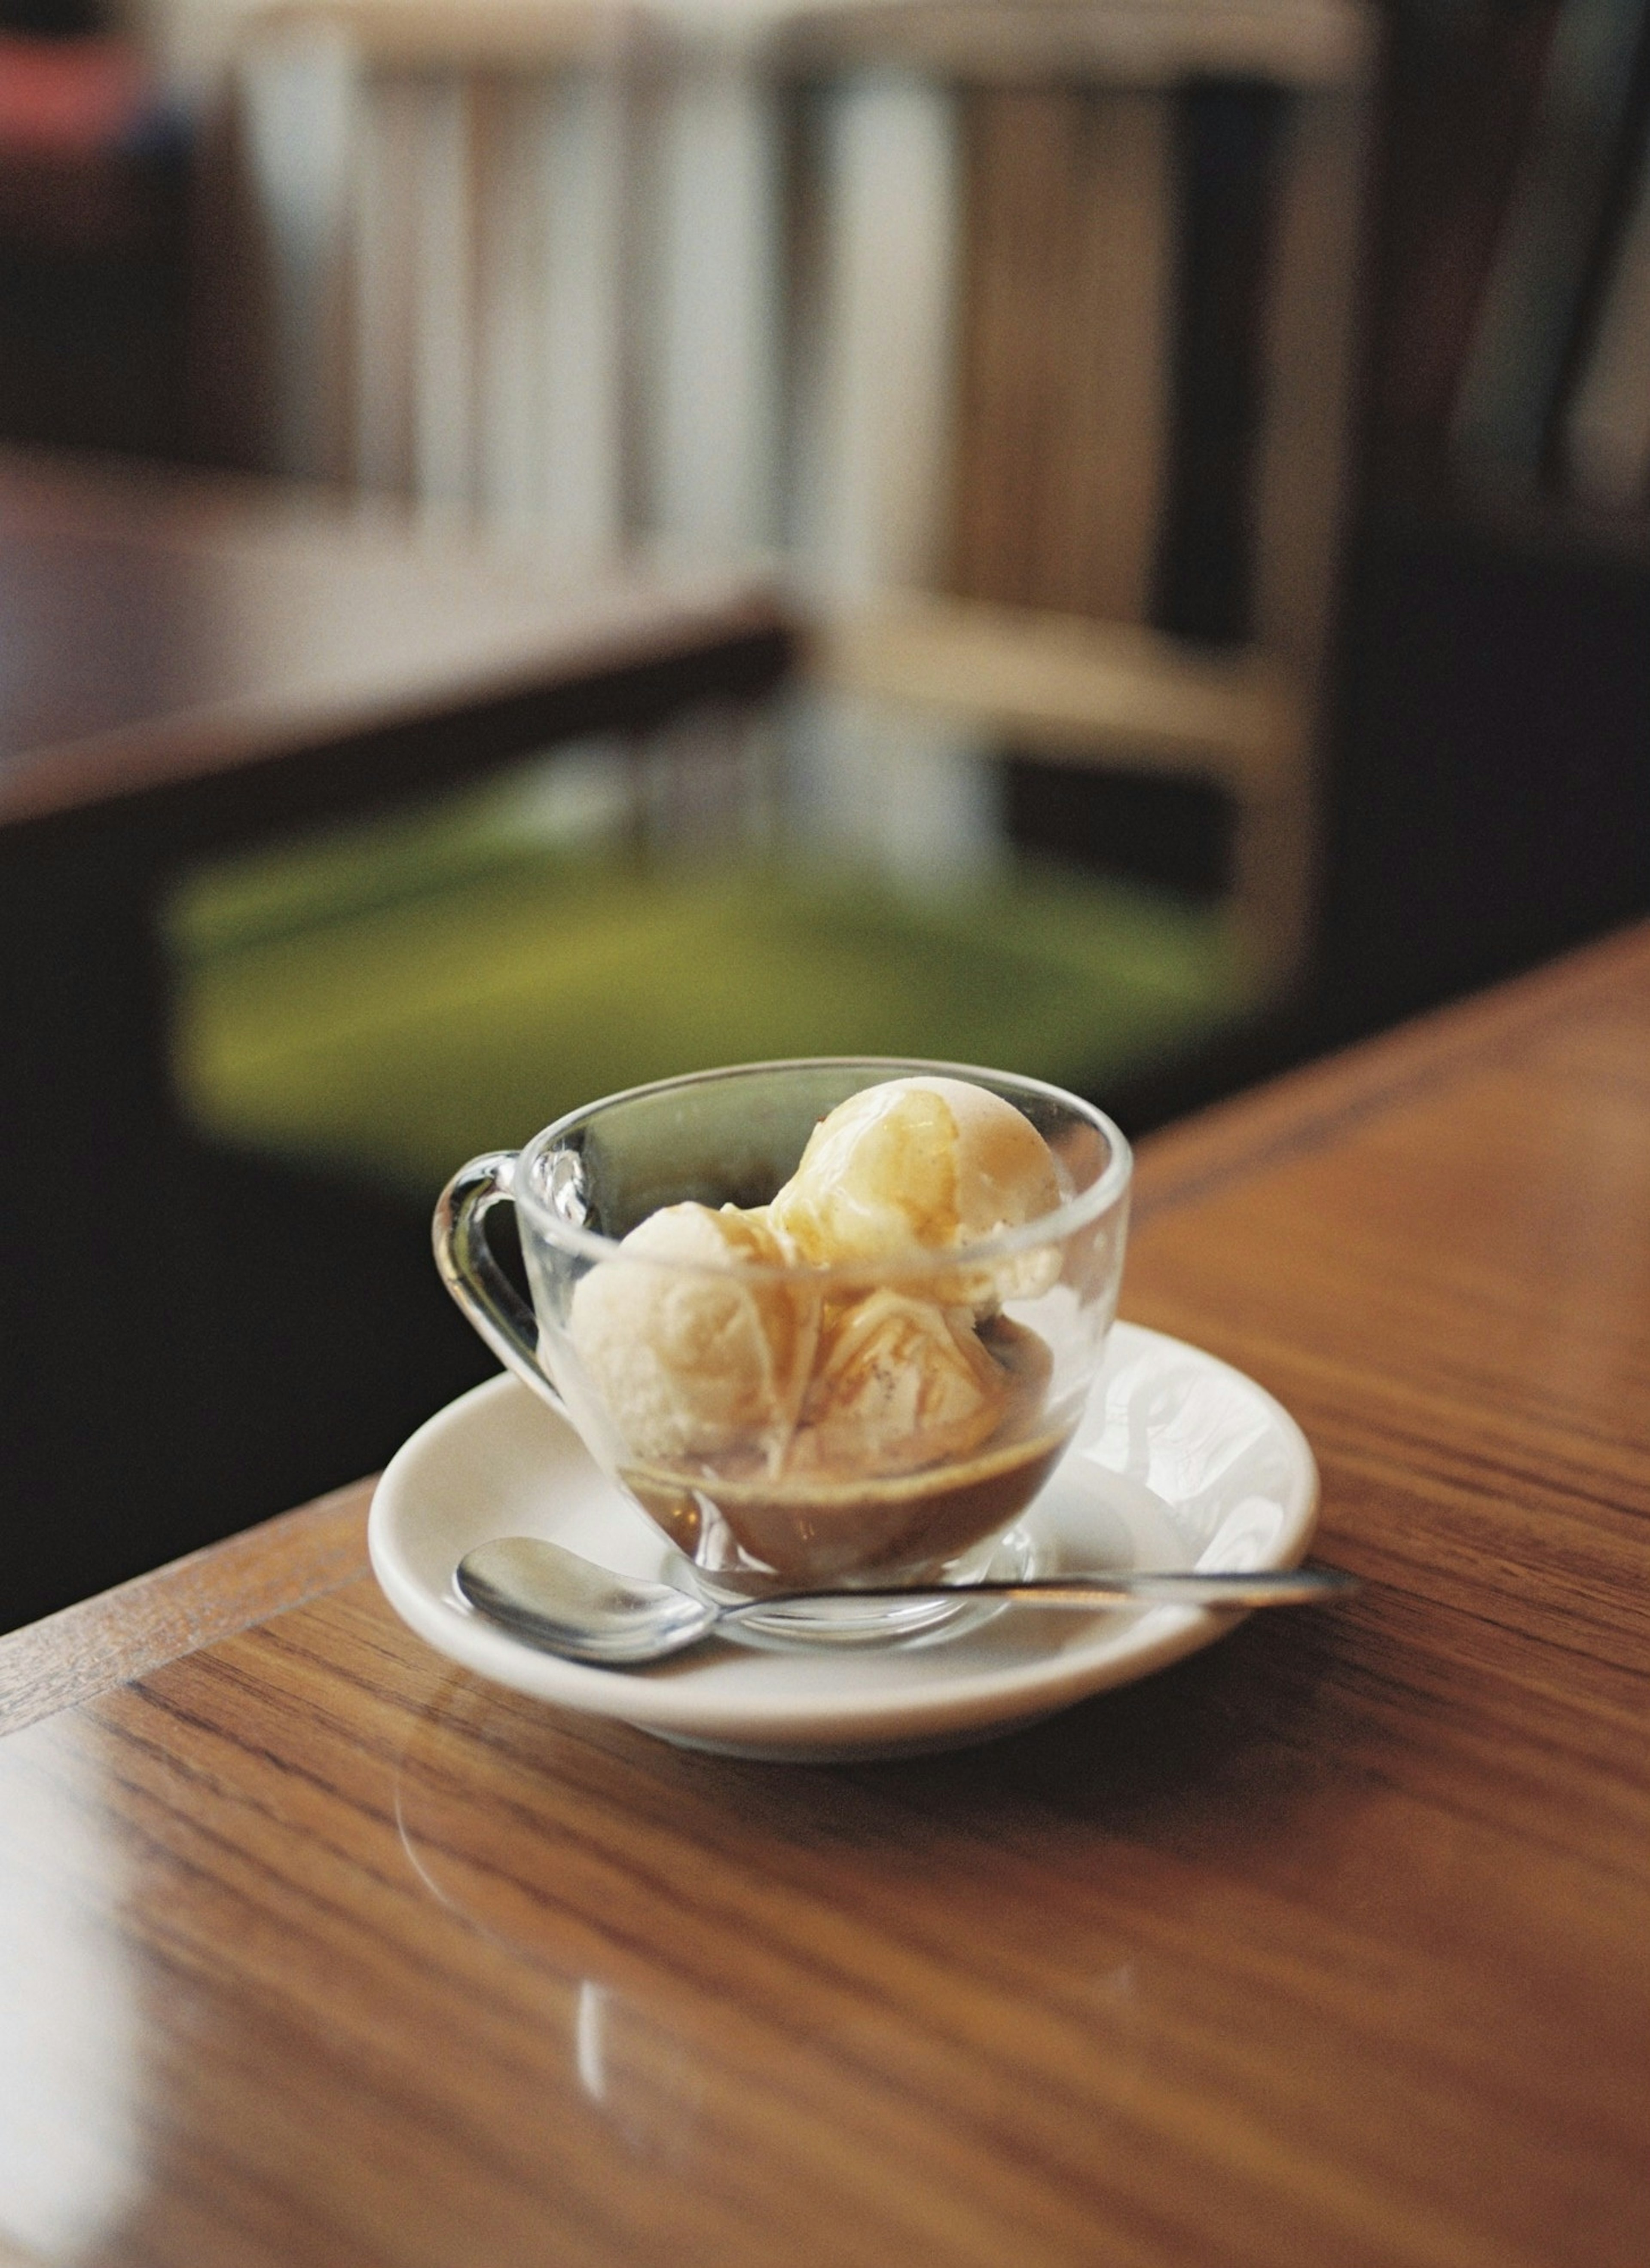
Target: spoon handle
[1283,1587]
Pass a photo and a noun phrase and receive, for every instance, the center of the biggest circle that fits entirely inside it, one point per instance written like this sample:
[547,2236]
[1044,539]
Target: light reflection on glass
[647,2077]
[588,2035]
[69,2147]
[523,1824]
[641,2058]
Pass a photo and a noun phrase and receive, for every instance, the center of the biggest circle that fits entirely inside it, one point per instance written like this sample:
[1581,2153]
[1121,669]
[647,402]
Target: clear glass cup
[792,1426]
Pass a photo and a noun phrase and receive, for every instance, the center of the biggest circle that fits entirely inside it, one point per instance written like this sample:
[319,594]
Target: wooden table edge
[72,1656]
[85,1650]
[1304,1109]
[739,632]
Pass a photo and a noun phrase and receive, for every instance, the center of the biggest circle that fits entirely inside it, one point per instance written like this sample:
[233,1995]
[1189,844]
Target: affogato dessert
[804,1372]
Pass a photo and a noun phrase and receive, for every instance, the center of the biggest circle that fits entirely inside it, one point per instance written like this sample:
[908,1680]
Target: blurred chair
[933,304]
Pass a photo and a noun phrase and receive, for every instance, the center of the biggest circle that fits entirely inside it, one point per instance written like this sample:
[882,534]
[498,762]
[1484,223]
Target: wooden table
[185,665]
[227,656]
[1331,1946]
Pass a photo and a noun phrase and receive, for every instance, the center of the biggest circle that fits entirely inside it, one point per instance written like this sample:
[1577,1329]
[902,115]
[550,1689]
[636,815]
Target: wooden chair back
[897,292]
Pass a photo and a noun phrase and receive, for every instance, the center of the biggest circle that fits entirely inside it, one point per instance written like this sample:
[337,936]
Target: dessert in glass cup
[828,1323]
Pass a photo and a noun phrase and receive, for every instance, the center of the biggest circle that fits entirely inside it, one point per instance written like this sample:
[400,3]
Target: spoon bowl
[564,1604]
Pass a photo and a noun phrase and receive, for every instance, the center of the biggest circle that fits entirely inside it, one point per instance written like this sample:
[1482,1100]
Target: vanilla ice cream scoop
[692,1353]
[921,1165]
[898,1383]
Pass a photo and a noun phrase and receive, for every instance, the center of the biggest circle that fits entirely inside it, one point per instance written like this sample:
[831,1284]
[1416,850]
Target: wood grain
[1330,1946]
[1308,1108]
[67,1658]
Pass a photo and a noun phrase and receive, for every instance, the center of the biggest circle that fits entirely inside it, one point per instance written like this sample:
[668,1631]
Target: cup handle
[476,1281]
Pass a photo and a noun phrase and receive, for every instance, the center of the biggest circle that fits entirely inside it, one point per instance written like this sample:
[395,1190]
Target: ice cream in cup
[827,1323]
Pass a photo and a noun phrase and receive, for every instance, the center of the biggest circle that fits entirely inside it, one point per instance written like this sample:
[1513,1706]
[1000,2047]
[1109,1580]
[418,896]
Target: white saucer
[1180,1461]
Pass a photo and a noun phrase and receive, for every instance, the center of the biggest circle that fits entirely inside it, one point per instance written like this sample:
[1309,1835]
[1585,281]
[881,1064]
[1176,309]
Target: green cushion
[394,1002]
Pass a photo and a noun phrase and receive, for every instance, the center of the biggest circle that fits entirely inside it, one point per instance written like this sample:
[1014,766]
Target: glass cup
[789,1426]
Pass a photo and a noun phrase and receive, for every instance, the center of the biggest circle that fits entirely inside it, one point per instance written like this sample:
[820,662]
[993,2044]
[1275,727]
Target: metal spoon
[568,1605]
